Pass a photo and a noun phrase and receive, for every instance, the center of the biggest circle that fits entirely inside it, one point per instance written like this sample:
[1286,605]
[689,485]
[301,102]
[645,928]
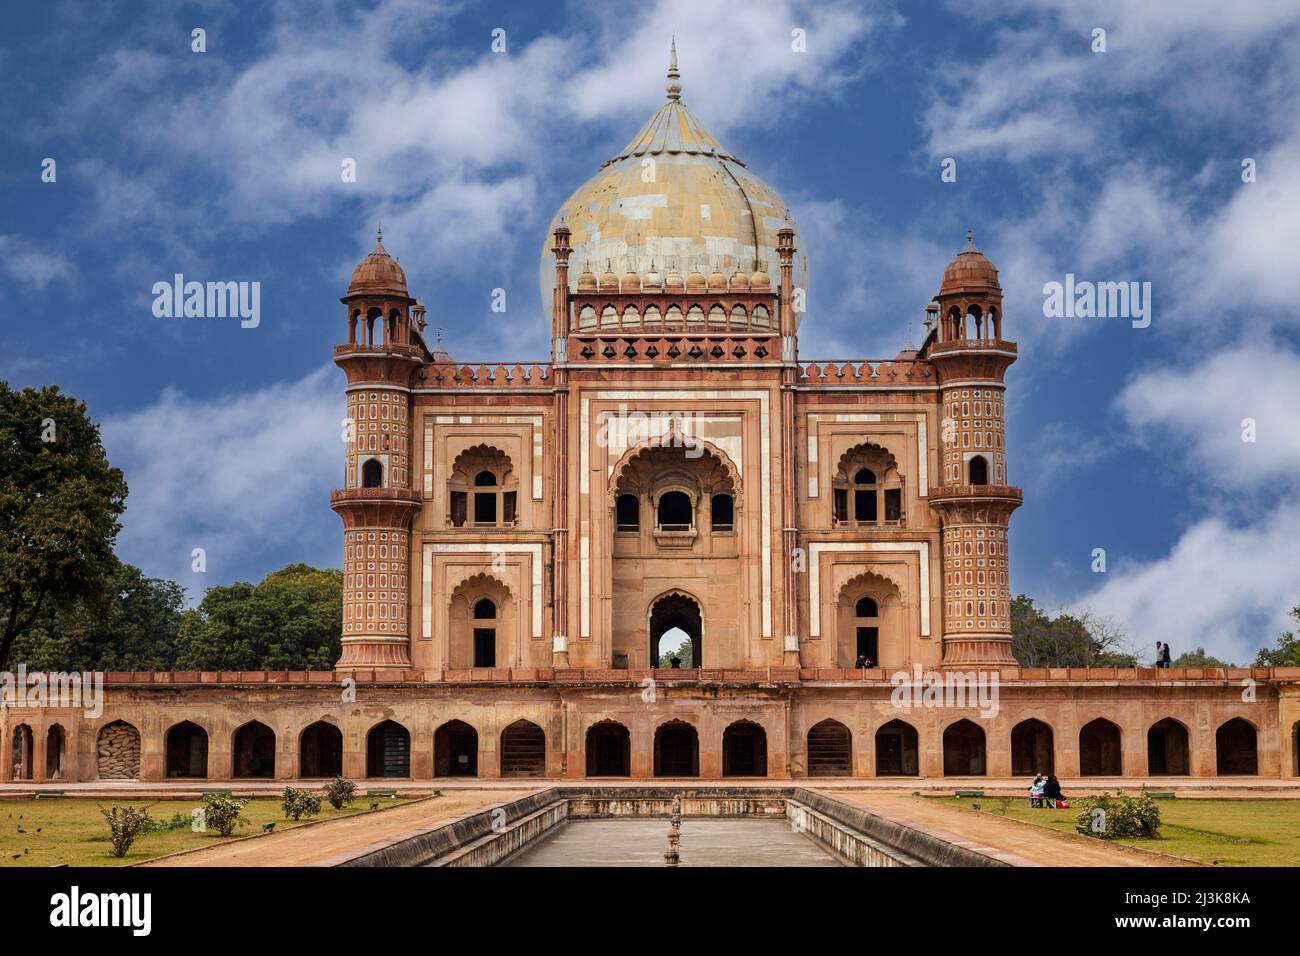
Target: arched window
[866,627]
[372,473]
[723,512]
[627,513]
[482,490]
[675,512]
[485,633]
[979,470]
[867,489]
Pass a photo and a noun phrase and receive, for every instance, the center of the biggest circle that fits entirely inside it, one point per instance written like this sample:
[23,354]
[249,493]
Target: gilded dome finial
[674,87]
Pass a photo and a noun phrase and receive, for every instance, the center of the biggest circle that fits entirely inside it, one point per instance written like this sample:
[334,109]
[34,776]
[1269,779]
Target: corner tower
[381,356]
[975,500]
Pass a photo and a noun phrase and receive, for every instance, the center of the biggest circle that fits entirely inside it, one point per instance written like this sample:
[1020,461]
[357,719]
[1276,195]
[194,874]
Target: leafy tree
[59,507]
[1198,658]
[293,620]
[133,628]
[682,653]
[1067,640]
[1287,651]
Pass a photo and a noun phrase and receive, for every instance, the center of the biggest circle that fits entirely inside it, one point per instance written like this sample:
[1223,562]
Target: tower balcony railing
[392,348]
[976,491]
[374,494]
[969,345]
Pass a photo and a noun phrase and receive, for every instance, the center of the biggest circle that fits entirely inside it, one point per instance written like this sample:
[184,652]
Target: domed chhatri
[969,271]
[676,196]
[378,272]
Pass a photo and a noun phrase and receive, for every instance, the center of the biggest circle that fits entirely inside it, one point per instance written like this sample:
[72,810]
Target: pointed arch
[964,749]
[675,608]
[676,749]
[830,749]
[897,750]
[253,750]
[1236,748]
[523,750]
[609,749]
[455,750]
[388,750]
[744,750]
[1168,748]
[186,746]
[1032,750]
[117,748]
[476,640]
[1101,752]
[320,750]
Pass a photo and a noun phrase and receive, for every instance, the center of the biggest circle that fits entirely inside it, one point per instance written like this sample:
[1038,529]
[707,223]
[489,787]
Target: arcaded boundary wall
[289,703]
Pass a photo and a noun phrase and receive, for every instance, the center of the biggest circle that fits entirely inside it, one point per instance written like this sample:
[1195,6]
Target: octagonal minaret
[377,503]
[975,500]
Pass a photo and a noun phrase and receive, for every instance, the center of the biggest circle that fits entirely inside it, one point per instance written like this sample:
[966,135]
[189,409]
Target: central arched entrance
[897,750]
[1101,751]
[677,750]
[676,623]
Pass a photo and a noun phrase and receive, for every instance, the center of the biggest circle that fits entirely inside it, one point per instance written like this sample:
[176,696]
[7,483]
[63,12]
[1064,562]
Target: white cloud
[28,263]
[1197,412]
[242,476]
[1222,587]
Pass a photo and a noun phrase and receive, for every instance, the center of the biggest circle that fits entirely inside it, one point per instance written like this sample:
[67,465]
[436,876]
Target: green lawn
[73,831]
[1224,832]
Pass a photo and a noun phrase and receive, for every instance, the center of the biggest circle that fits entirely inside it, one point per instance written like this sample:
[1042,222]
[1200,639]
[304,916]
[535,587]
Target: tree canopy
[60,501]
[292,620]
[1067,640]
[132,628]
[1286,652]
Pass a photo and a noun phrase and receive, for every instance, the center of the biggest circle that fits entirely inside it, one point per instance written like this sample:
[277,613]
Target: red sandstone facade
[518,537]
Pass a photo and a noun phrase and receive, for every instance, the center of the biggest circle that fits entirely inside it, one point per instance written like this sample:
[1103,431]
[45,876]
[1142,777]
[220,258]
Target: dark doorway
[681,612]
[23,752]
[979,470]
[388,750]
[455,750]
[963,750]
[1100,753]
[320,751]
[1234,749]
[1167,748]
[830,750]
[485,647]
[897,750]
[744,750]
[254,754]
[372,473]
[55,742]
[609,750]
[677,750]
[187,750]
[523,750]
[1031,748]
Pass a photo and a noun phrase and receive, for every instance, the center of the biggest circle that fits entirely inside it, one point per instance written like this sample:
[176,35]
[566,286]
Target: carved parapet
[869,372]
[515,375]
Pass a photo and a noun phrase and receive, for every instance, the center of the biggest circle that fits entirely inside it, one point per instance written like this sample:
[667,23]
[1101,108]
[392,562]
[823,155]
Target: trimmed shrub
[1122,815]
[124,825]
[224,813]
[340,792]
[300,803]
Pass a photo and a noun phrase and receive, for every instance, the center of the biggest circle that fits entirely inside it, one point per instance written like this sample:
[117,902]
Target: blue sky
[1122,165]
